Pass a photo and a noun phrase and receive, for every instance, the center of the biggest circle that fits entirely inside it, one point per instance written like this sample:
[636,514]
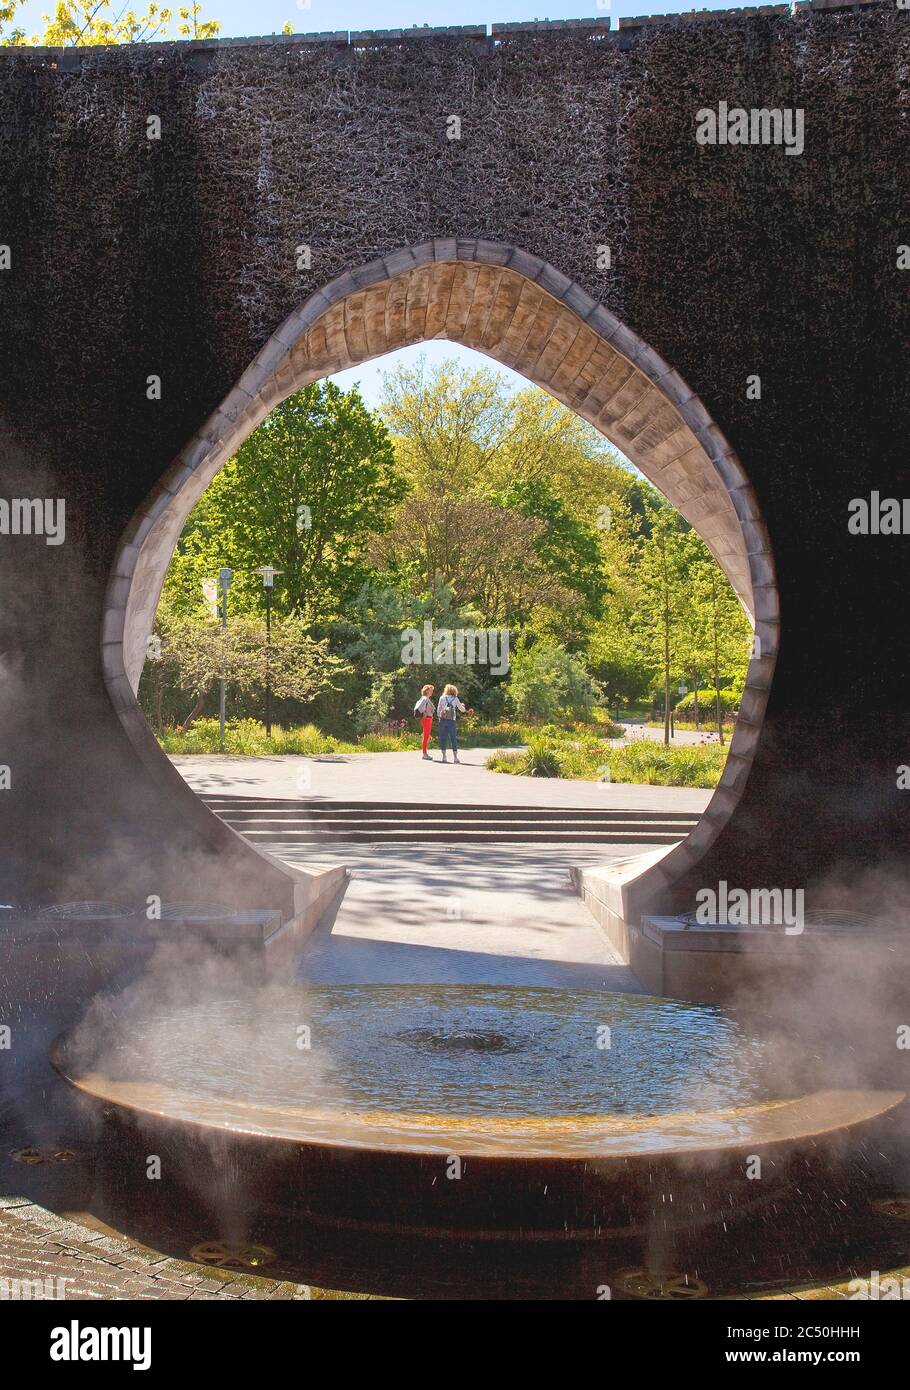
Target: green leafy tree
[693,656]
[375,645]
[722,633]
[547,443]
[448,424]
[304,493]
[485,554]
[567,548]
[461,431]
[99,23]
[194,656]
[547,682]
[662,572]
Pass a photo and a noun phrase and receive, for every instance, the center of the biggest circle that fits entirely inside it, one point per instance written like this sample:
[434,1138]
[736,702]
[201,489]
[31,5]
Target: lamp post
[225,576]
[268,573]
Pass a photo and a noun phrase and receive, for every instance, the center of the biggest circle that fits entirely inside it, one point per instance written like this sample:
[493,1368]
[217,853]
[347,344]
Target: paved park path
[405,777]
[491,914]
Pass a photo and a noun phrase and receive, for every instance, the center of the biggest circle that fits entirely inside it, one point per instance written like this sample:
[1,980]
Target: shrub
[547,682]
[537,760]
[729,701]
[506,762]
[541,760]
[642,761]
[372,712]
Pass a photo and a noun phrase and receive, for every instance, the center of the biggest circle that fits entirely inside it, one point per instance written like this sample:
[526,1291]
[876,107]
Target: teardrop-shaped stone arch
[526,315]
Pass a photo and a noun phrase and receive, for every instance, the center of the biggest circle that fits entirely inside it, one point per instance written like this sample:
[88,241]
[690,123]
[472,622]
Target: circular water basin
[495,1071]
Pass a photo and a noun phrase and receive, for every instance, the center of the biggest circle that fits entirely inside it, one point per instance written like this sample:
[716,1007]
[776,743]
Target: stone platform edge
[710,965]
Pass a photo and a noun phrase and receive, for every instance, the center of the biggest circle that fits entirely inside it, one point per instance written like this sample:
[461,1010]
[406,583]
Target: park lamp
[225,576]
[268,573]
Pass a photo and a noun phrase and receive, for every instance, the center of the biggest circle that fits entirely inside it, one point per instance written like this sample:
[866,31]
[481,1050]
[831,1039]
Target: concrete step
[411,810]
[439,823]
[460,835]
[407,822]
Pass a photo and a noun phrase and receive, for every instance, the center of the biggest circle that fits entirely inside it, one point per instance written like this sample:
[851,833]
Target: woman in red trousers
[425,709]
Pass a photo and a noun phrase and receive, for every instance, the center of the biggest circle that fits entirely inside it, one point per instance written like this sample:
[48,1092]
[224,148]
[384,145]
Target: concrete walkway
[490,914]
[405,777]
[500,914]
[655,734]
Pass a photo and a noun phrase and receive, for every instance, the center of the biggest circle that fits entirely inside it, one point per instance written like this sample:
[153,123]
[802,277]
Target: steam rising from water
[437,1049]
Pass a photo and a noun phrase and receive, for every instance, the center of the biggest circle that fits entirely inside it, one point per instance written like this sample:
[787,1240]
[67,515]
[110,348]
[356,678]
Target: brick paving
[37,1245]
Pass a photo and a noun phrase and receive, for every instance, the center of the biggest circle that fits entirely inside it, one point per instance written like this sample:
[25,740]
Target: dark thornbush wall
[177,257]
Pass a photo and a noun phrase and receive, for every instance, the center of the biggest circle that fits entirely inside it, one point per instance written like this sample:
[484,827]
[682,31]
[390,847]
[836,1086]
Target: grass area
[582,752]
[641,761]
[247,736]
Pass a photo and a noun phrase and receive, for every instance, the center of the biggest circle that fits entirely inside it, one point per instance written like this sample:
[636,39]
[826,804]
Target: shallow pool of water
[447,1050]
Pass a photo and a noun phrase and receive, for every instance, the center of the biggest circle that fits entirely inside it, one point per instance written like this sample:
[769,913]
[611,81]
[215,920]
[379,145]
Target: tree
[568,548]
[693,655]
[504,489]
[547,443]
[546,681]
[617,660]
[8,10]
[722,630]
[96,23]
[484,554]
[623,664]
[374,644]
[663,579]
[447,424]
[304,493]
[195,655]
[460,431]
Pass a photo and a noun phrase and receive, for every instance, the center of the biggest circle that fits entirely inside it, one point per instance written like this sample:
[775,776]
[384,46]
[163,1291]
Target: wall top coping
[492,35]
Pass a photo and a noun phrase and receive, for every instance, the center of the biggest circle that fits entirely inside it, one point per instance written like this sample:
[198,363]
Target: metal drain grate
[659,1284]
[83,912]
[897,1207]
[35,1156]
[228,1254]
[196,912]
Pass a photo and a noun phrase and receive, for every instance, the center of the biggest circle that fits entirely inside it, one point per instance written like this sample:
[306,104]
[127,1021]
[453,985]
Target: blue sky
[240,17]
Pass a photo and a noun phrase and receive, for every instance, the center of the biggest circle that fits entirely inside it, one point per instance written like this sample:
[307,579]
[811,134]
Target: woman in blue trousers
[447,712]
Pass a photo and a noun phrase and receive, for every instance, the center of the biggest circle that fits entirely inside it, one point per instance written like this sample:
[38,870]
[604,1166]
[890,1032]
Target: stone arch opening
[524,314]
